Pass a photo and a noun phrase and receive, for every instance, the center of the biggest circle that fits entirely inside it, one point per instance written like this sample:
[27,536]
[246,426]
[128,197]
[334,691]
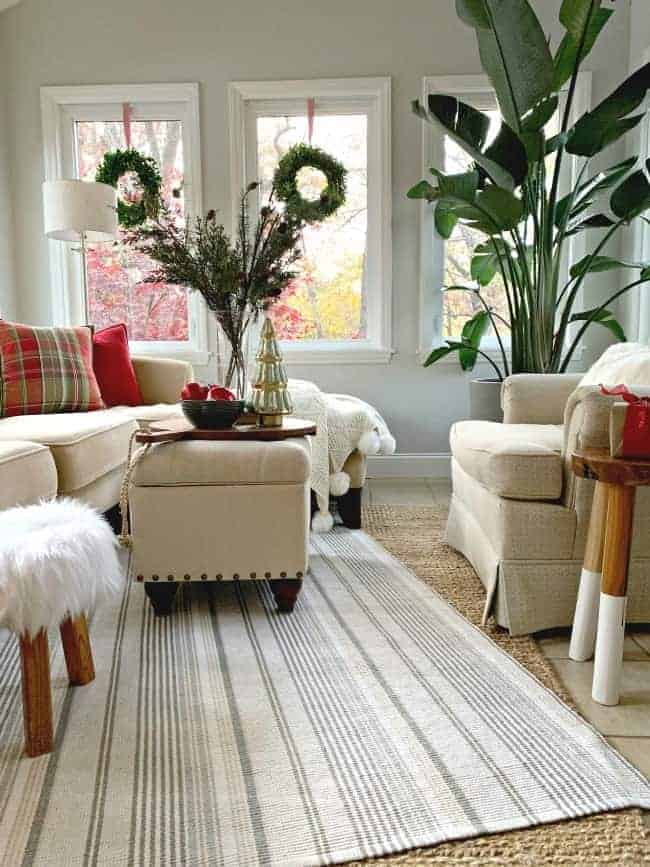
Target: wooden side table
[600,616]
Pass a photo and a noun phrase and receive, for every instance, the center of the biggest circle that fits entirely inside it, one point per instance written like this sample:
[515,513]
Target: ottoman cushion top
[215,462]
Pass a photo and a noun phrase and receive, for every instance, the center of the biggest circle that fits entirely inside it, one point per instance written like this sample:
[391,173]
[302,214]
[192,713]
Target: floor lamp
[80,211]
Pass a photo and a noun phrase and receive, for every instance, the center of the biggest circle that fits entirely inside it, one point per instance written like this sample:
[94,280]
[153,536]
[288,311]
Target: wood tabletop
[598,464]
[176,429]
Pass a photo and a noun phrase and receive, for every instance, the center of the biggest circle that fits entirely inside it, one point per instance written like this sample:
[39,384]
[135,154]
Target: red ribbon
[127,113]
[311,111]
[636,430]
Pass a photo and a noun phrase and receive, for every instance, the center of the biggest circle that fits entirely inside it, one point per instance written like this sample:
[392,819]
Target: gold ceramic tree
[271,400]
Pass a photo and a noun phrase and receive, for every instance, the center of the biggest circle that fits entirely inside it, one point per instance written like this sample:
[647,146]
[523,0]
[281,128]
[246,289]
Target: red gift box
[634,439]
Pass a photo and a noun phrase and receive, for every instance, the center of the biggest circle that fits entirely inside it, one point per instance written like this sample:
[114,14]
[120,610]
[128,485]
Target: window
[446,263]
[339,303]
[81,124]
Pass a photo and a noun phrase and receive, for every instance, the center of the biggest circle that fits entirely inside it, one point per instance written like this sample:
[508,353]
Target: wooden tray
[174,430]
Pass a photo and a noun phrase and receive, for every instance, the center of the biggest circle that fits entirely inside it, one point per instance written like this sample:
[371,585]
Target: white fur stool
[57,561]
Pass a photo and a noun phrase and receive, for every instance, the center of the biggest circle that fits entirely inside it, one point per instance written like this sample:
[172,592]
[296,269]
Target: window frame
[372,96]
[432,246]
[61,107]
[640,306]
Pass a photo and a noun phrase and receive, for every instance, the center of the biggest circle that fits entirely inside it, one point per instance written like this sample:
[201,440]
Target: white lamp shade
[73,207]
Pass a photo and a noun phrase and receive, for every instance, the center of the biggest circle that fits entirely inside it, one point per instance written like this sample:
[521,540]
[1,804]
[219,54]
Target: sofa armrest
[537,398]
[161,380]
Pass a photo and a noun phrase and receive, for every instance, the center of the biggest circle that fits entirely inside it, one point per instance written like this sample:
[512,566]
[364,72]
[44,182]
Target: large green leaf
[609,121]
[596,264]
[484,264]
[502,206]
[632,197]
[606,179]
[502,157]
[438,353]
[471,337]
[515,54]
[604,318]
[461,186]
[597,221]
[473,12]
[539,115]
[423,190]
[566,57]
[445,219]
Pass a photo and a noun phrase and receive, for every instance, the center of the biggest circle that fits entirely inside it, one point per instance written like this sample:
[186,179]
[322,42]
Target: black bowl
[212,414]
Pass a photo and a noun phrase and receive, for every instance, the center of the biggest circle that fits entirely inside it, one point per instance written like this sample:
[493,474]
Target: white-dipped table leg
[613,598]
[585,620]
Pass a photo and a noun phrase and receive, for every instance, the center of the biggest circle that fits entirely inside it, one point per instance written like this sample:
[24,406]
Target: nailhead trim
[253,575]
[170,578]
[187,577]
[219,577]
[235,577]
[155,577]
[298,574]
[204,577]
[140,578]
[267,574]
[283,574]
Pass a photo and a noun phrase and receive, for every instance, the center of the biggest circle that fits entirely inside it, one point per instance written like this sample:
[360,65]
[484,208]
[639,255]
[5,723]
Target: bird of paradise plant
[512,193]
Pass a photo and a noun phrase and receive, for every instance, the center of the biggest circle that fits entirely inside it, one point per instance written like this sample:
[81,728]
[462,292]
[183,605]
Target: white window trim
[432,246]
[56,108]
[377,91]
[640,306]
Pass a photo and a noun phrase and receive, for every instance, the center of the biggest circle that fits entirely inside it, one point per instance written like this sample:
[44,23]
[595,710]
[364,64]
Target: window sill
[328,353]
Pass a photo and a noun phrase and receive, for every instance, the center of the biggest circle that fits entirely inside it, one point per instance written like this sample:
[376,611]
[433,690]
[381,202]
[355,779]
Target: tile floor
[626,726]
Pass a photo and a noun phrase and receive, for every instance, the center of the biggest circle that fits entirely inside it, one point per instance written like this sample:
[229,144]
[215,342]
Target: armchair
[520,516]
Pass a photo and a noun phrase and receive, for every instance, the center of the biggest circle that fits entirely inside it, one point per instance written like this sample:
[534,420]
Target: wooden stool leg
[77,650]
[37,696]
[585,620]
[613,596]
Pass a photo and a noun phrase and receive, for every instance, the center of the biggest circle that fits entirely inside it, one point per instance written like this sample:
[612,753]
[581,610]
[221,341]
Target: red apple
[195,391]
[218,392]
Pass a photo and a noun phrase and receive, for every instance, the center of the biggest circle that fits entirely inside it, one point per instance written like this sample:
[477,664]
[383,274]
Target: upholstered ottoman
[205,510]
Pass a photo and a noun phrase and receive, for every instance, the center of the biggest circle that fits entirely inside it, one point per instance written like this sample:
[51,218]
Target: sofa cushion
[518,461]
[27,474]
[157,412]
[85,446]
[205,462]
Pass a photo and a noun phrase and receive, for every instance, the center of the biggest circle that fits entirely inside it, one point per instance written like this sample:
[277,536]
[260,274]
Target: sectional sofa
[83,455]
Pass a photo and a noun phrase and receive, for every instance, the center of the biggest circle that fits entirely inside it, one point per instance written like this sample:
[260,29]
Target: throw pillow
[46,370]
[114,368]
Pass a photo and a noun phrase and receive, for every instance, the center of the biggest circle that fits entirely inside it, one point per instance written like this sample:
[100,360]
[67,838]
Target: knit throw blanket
[345,424]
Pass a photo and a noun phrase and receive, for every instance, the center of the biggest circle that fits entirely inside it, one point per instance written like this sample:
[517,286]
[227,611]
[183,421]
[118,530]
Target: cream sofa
[83,455]
[518,513]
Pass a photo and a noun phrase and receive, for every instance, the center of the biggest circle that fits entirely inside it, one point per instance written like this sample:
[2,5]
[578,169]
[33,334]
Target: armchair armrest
[161,380]
[537,398]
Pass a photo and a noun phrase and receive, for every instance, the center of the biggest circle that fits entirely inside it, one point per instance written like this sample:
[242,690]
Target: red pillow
[46,370]
[114,368]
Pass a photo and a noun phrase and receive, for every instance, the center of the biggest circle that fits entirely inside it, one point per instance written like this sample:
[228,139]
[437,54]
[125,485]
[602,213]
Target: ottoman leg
[161,597]
[37,696]
[350,508]
[77,651]
[285,591]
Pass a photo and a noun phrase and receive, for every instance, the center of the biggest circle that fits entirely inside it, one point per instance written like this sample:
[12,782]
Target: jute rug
[374,719]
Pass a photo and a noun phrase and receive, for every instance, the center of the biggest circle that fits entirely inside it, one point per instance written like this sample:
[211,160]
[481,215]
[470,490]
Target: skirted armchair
[518,513]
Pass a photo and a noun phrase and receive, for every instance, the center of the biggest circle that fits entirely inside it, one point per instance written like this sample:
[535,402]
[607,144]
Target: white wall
[7,281]
[214,42]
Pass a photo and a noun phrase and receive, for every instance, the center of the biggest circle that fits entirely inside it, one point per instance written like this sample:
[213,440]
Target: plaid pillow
[45,370]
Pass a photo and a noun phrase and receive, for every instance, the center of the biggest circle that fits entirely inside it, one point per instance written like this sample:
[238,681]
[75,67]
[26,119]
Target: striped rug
[374,719]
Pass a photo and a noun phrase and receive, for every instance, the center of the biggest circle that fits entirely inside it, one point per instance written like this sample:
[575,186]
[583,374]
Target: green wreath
[117,163]
[286,186]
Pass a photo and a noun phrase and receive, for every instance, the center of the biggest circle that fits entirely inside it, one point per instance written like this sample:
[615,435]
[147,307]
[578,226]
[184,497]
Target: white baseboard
[432,466]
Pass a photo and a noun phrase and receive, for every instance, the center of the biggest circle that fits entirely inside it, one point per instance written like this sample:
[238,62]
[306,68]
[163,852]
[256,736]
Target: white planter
[485,400]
